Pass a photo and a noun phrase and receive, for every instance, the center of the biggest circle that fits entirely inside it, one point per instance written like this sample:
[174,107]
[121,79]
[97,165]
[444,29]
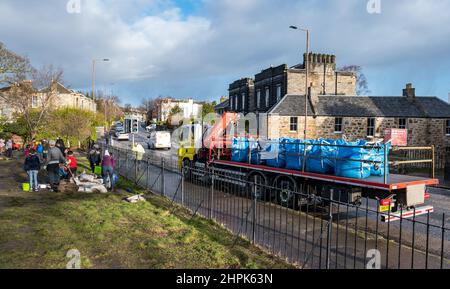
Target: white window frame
[336,124]
[278,92]
[34,101]
[258,98]
[267,96]
[406,123]
[447,127]
[295,123]
[371,127]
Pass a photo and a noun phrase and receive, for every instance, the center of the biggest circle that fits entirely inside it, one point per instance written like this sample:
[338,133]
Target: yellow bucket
[26,187]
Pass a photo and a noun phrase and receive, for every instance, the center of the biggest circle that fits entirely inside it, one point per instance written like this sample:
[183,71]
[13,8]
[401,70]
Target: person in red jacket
[72,163]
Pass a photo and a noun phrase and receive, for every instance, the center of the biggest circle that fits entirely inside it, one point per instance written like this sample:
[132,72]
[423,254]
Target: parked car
[119,133]
[159,140]
[123,136]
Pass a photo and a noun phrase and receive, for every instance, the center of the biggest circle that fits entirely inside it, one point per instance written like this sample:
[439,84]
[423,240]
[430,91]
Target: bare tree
[127,108]
[13,67]
[148,105]
[362,85]
[32,98]
[109,106]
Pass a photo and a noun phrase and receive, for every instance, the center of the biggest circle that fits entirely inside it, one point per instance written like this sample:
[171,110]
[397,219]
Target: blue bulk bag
[294,154]
[349,163]
[377,154]
[255,152]
[239,150]
[317,158]
[275,154]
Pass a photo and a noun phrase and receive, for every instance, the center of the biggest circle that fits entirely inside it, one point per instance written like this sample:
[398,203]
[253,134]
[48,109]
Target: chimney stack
[409,91]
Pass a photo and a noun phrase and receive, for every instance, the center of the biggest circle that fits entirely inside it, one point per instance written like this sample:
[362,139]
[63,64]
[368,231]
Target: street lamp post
[306,77]
[93,74]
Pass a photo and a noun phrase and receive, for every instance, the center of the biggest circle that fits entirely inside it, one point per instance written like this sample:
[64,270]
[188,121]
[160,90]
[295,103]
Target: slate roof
[222,105]
[291,105]
[367,106]
[59,88]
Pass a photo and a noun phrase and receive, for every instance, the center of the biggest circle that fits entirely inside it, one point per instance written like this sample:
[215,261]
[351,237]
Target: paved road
[291,234]
[170,156]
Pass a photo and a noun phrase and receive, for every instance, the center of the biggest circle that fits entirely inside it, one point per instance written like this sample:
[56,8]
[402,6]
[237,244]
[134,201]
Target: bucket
[98,170]
[26,187]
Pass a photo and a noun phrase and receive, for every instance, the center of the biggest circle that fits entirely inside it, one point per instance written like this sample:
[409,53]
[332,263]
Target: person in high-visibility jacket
[138,151]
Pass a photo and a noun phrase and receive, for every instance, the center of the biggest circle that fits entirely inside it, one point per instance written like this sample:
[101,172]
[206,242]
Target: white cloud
[156,49]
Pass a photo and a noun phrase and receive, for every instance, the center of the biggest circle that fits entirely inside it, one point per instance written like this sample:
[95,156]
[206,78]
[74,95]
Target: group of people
[107,162]
[6,147]
[55,158]
[60,162]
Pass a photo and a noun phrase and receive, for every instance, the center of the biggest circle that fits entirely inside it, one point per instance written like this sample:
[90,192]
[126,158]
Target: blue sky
[195,48]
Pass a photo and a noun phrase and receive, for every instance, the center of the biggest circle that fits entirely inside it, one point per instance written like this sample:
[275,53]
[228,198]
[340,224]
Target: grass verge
[38,229]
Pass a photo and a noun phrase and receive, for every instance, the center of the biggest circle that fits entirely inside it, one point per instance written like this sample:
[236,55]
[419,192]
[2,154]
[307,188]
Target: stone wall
[74,100]
[279,126]
[346,83]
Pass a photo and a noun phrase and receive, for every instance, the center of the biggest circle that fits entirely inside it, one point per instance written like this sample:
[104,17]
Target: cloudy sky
[195,48]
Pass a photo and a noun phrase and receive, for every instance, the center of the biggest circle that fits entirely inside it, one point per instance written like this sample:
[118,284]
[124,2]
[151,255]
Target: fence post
[136,168]
[148,174]
[118,162]
[330,226]
[126,165]
[433,162]
[385,164]
[182,185]
[211,199]
[163,184]
[255,203]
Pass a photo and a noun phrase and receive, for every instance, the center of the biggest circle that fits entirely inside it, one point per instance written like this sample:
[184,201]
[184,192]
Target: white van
[159,140]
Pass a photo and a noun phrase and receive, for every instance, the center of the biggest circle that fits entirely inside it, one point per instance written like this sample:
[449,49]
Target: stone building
[270,85]
[427,119]
[242,93]
[64,97]
[334,109]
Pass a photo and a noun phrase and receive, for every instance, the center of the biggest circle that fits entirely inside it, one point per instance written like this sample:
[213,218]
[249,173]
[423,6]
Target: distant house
[60,97]
[139,114]
[65,97]
[188,108]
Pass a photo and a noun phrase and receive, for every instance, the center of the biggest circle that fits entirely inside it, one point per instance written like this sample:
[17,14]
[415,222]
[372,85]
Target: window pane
[402,123]
[267,96]
[370,127]
[338,124]
[293,124]
[258,98]
[278,92]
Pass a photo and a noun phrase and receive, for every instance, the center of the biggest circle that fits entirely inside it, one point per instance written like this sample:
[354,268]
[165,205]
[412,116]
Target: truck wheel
[186,169]
[286,195]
